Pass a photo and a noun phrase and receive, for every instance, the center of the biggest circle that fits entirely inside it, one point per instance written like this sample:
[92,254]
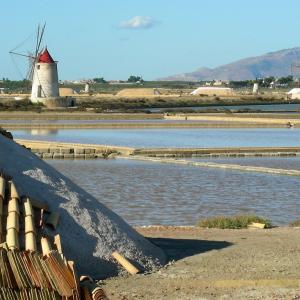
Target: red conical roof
[45,57]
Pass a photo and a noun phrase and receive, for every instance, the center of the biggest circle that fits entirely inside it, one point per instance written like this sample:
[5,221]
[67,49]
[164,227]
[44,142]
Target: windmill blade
[33,57]
[22,43]
[16,66]
[39,39]
[30,71]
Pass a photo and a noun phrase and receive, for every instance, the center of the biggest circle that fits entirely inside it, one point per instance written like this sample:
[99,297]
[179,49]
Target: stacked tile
[61,276]
[29,271]
[2,197]
[30,232]
[12,224]
[32,294]
[27,274]
[90,290]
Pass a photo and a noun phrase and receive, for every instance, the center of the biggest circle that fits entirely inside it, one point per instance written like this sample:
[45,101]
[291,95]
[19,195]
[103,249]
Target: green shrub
[295,223]
[232,222]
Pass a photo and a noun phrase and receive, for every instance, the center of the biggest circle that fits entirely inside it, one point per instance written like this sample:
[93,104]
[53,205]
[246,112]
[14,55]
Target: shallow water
[256,107]
[145,193]
[166,137]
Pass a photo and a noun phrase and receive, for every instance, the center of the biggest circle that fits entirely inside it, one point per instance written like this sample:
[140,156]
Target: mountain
[276,64]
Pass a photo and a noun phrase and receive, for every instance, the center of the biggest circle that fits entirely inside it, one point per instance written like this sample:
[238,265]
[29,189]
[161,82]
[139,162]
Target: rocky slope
[276,64]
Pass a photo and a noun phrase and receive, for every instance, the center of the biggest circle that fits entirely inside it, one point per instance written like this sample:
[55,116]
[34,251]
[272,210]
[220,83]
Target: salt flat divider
[216,165]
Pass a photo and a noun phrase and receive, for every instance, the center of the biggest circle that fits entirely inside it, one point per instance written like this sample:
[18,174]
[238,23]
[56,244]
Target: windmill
[32,57]
[42,71]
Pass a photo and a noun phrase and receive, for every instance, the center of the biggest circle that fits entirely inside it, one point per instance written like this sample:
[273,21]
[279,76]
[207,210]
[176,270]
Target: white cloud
[138,22]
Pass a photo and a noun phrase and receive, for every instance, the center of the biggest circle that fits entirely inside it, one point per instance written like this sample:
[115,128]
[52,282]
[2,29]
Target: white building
[255,88]
[45,79]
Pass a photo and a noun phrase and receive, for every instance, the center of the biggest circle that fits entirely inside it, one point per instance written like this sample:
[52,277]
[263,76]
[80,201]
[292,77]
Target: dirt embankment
[218,264]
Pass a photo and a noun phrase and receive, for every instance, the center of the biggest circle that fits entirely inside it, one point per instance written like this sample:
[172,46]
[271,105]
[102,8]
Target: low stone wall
[72,153]
[57,150]
[218,152]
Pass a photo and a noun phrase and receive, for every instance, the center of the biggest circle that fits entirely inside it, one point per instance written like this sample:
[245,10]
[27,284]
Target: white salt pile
[90,232]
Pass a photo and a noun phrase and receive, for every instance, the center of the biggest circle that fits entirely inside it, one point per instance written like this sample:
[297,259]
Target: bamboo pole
[128,266]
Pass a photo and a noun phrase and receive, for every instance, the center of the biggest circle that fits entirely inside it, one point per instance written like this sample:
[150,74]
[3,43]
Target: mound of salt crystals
[90,232]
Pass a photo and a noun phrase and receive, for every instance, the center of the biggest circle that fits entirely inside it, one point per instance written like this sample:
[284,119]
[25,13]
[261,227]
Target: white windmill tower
[45,78]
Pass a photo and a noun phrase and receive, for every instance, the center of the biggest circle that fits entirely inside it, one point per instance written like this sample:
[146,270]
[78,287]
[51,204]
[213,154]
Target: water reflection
[42,132]
[147,193]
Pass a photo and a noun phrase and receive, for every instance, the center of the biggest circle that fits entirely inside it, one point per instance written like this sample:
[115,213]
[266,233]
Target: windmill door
[39,92]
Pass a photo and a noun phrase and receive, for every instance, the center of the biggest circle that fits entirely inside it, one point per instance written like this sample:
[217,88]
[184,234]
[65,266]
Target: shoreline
[275,171]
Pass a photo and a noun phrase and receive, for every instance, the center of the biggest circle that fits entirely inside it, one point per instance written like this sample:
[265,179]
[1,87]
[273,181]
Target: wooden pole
[128,266]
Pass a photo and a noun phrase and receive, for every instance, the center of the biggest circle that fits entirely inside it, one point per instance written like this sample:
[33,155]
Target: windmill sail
[32,57]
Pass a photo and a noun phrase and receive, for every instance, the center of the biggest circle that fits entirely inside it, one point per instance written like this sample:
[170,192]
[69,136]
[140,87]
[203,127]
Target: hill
[276,64]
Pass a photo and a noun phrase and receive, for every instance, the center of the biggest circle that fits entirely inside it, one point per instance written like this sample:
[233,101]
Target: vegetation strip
[219,166]
[233,222]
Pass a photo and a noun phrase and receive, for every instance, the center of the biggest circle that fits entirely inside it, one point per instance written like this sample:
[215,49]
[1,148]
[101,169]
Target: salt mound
[90,232]
[139,92]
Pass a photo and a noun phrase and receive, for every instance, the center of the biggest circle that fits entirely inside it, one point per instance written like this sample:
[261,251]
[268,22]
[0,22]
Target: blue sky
[117,38]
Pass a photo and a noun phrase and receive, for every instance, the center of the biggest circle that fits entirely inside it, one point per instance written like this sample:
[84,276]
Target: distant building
[87,88]
[294,93]
[218,83]
[255,89]
[3,90]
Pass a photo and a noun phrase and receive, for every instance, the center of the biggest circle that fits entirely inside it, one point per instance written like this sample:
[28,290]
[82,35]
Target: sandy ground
[218,264]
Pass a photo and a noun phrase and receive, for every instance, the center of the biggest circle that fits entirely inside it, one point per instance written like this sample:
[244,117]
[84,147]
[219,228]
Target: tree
[240,83]
[133,78]
[100,80]
[285,80]
[266,82]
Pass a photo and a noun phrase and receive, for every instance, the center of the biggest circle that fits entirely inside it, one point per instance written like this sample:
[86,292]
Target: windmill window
[38,66]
